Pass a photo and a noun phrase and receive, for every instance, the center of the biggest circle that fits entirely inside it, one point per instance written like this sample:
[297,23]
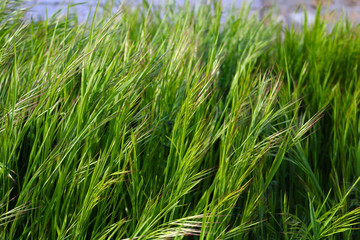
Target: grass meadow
[178,123]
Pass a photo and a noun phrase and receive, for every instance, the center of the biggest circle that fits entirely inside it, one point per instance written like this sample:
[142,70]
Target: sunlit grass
[178,124]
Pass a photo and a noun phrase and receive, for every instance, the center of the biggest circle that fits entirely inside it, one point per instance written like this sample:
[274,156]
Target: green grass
[177,123]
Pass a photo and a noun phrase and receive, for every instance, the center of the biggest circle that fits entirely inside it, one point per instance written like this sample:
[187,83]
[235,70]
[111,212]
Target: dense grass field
[177,123]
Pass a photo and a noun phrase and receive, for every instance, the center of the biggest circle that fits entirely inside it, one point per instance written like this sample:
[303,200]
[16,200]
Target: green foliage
[178,123]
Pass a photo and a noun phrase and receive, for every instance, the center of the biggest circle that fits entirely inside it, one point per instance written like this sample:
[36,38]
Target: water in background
[41,8]
[288,10]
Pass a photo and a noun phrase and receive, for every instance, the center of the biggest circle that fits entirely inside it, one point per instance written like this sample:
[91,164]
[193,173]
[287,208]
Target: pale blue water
[42,7]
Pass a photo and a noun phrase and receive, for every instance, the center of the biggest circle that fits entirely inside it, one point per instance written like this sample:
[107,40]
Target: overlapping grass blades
[178,124]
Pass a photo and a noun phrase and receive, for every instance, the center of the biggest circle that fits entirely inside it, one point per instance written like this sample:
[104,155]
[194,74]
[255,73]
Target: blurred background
[289,11]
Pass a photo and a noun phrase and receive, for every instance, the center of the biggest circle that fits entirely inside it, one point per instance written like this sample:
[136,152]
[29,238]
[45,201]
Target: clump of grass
[178,124]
